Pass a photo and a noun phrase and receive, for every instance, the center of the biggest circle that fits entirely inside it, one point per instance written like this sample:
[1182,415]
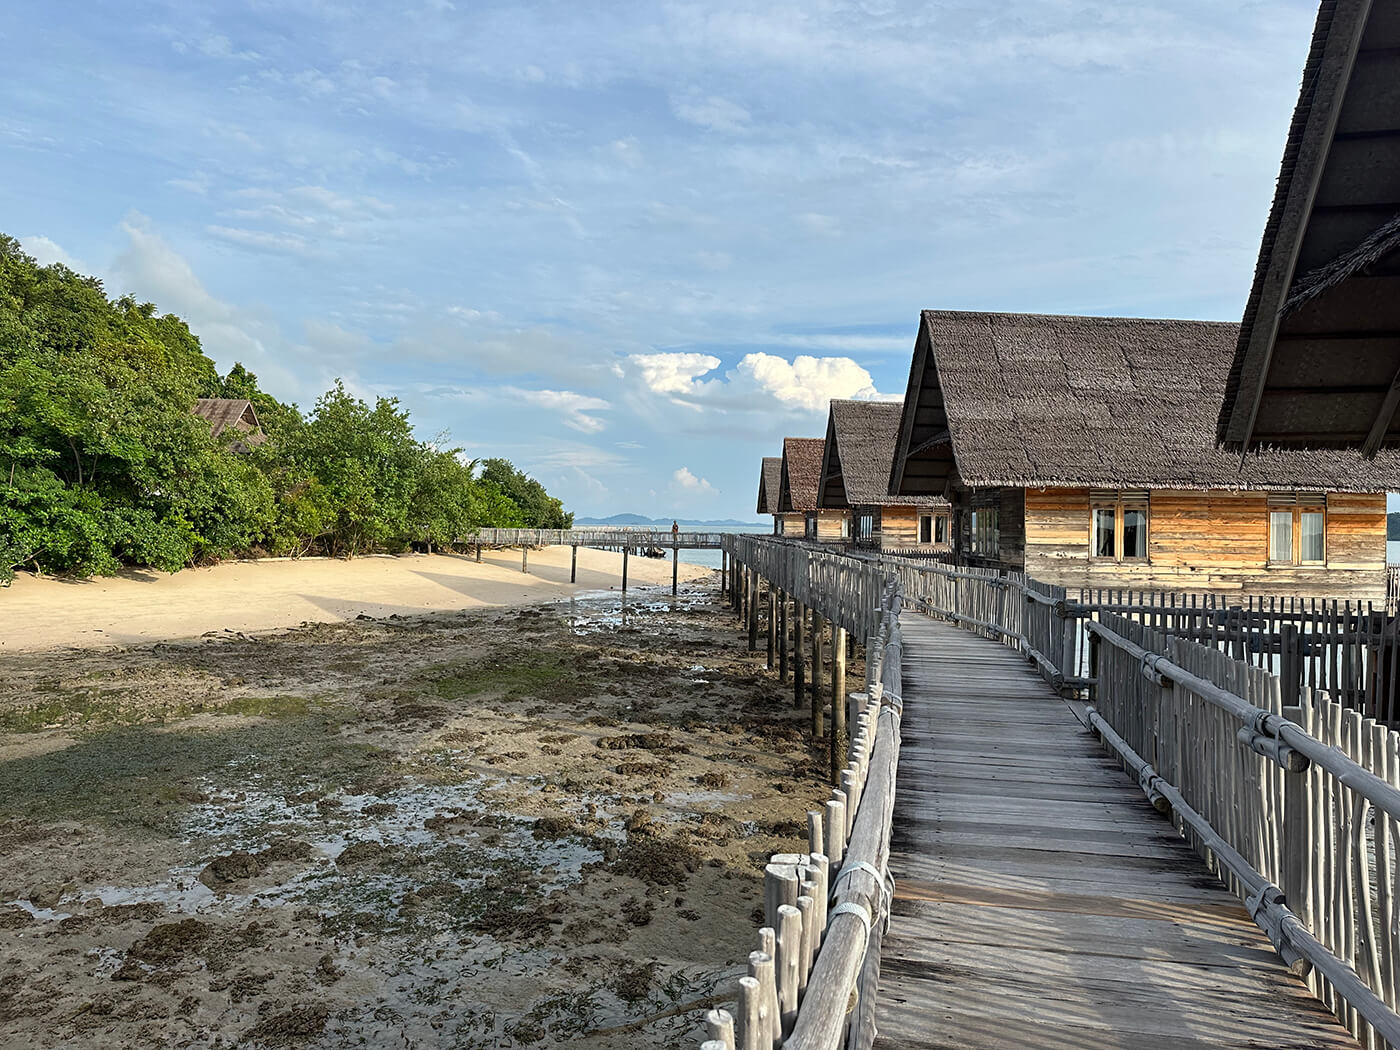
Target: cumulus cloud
[803,384]
[686,481]
[806,382]
[573,408]
[674,373]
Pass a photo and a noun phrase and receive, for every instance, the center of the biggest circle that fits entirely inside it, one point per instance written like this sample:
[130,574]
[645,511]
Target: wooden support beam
[838,703]
[1383,419]
[624,572]
[782,636]
[675,569]
[799,684]
[753,611]
[772,623]
[573,564]
[525,559]
[818,715]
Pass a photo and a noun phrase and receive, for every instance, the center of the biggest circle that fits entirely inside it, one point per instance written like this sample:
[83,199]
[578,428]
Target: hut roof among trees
[860,442]
[1030,400]
[1317,363]
[770,481]
[224,413]
[802,470]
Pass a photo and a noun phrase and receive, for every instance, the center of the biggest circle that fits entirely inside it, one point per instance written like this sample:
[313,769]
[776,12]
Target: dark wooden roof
[802,469]
[1317,363]
[770,480]
[1029,400]
[225,413]
[860,441]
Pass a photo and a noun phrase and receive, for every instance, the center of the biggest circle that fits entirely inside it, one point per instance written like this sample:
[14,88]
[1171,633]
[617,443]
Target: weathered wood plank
[1041,901]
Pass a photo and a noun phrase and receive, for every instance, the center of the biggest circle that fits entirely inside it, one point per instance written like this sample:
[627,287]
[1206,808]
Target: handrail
[825,909]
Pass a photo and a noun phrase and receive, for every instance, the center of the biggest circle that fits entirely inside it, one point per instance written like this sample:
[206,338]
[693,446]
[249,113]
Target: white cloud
[573,407]
[46,252]
[806,382]
[713,112]
[674,373]
[686,481]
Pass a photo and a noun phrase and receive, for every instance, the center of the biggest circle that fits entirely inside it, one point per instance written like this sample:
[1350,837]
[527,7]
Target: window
[925,528]
[986,539]
[811,526]
[940,528]
[1297,532]
[1118,526]
[865,528]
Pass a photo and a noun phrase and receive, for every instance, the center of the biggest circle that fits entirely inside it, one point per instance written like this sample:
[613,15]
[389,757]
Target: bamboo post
[818,719]
[624,571]
[478,552]
[807,948]
[780,887]
[768,981]
[788,960]
[723,575]
[816,841]
[573,563]
[838,697]
[752,1029]
[719,1025]
[675,568]
[834,830]
[525,558]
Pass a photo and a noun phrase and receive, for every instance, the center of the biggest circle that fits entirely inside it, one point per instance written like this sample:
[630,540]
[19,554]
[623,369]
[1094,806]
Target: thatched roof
[1043,401]
[1316,363]
[770,481]
[860,441]
[802,470]
[225,413]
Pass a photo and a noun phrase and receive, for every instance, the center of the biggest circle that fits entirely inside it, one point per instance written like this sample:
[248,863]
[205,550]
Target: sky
[631,246]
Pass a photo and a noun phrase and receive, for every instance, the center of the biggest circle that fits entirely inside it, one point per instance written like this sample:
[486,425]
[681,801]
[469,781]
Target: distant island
[638,519]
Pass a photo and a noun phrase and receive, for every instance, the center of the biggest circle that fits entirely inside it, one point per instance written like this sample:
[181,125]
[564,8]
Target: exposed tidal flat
[533,826]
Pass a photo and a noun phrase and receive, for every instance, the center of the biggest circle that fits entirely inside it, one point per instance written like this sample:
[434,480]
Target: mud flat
[539,826]
[148,606]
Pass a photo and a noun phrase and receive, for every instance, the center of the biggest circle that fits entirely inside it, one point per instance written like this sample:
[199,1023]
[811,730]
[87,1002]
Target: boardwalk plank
[1041,901]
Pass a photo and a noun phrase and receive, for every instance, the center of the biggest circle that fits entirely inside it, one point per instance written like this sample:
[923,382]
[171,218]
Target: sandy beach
[147,606]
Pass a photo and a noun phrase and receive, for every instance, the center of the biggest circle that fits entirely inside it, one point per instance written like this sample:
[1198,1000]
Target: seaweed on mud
[642,742]
[292,1027]
[657,861]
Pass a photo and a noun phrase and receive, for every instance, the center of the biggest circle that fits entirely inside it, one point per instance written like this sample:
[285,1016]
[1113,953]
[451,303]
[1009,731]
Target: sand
[146,606]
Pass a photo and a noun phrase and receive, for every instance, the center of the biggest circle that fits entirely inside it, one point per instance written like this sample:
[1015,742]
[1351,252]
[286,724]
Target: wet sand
[145,606]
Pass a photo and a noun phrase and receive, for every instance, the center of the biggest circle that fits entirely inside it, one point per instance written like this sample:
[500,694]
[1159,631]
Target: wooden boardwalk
[1041,901]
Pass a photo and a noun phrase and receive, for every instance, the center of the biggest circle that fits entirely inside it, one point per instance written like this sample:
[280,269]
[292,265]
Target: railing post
[753,610]
[799,682]
[818,626]
[782,636]
[838,702]
[772,624]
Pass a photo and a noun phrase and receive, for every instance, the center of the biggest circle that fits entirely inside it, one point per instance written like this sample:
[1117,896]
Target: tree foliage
[103,464]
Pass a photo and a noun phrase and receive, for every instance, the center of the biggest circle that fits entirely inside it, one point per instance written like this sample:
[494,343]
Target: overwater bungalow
[1317,362]
[859,450]
[1082,450]
[770,479]
[798,513]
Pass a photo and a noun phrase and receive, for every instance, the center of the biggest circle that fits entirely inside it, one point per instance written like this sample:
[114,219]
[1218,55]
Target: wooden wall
[829,525]
[1216,541]
[899,527]
[792,524]
[1011,525]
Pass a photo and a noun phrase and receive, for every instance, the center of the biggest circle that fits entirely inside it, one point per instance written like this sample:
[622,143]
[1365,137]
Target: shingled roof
[1316,363]
[224,413]
[802,470]
[770,481]
[1043,401]
[860,442]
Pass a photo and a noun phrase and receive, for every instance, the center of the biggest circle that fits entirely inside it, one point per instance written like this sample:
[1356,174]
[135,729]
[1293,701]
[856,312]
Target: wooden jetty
[1040,898]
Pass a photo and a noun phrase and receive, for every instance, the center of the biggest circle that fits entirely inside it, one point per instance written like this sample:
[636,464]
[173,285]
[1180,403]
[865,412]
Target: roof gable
[770,479]
[1317,363]
[802,469]
[923,462]
[1035,400]
[860,444]
[224,413]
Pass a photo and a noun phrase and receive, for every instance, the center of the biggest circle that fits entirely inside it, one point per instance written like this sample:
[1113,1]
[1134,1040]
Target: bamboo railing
[1290,797]
[825,910]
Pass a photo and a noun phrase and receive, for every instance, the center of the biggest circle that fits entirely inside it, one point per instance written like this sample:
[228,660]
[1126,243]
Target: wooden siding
[791,525]
[899,527]
[1210,540]
[829,525]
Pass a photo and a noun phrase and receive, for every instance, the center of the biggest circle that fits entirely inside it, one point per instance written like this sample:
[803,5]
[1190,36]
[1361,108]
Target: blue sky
[631,246]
